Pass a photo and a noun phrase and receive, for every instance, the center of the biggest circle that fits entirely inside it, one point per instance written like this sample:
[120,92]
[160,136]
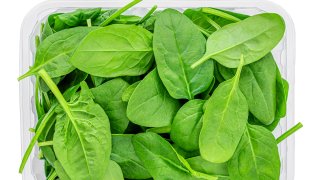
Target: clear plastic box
[284,54]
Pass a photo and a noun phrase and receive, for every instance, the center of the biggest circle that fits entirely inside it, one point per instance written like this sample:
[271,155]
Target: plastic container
[284,54]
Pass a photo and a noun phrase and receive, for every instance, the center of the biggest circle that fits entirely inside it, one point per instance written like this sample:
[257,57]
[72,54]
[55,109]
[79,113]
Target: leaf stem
[55,90]
[219,13]
[53,176]
[39,108]
[26,155]
[152,10]
[89,23]
[289,132]
[200,61]
[119,12]
[45,143]
[212,22]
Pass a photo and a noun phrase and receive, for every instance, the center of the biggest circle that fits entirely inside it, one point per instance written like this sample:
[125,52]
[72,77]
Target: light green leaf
[150,104]
[257,156]
[187,125]
[115,50]
[108,96]
[177,44]
[224,120]
[82,138]
[253,37]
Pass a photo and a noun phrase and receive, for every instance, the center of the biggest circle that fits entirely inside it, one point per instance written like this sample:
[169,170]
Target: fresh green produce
[177,43]
[169,95]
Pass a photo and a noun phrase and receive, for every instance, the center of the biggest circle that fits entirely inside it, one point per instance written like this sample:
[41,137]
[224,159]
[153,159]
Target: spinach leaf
[150,104]
[113,172]
[256,157]
[82,139]
[54,52]
[224,121]
[187,125]
[258,84]
[108,96]
[115,50]
[201,165]
[128,92]
[76,18]
[161,160]
[150,146]
[259,35]
[124,154]
[177,44]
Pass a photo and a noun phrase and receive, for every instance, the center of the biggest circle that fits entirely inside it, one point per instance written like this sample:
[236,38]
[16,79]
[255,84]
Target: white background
[305,14]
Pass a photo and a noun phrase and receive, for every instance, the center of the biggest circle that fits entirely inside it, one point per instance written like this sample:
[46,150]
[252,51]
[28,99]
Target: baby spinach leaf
[259,35]
[128,92]
[54,52]
[256,157]
[150,104]
[113,172]
[258,84]
[201,165]
[115,50]
[187,124]
[108,96]
[178,44]
[124,154]
[224,120]
[82,140]
[76,18]
[159,158]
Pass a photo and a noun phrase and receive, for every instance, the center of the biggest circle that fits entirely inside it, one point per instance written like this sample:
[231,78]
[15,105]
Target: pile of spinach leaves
[171,95]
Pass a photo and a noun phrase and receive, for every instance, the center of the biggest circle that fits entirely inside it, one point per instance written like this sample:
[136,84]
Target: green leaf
[76,18]
[256,156]
[124,154]
[224,120]
[82,139]
[159,158]
[108,96]
[258,84]
[54,52]
[187,124]
[113,172]
[150,104]
[253,37]
[115,50]
[178,44]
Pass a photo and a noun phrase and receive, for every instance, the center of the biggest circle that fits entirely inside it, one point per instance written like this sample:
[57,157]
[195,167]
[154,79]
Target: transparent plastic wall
[284,54]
